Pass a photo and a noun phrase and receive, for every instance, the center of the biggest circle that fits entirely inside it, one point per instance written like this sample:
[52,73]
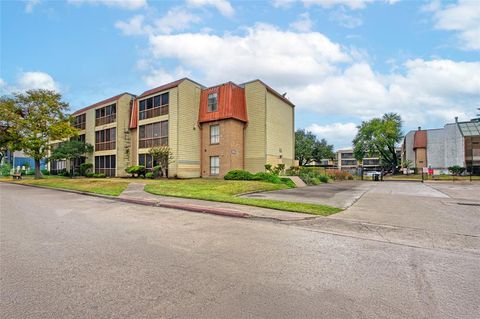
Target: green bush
[64,173]
[89,174]
[136,170]
[99,175]
[239,175]
[267,177]
[85,168]
[5,169]
[312,175]
[149,175]
[157,171]
[45,172]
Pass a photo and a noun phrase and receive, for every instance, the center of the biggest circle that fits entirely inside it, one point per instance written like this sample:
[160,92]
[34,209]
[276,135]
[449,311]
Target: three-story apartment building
[210,131]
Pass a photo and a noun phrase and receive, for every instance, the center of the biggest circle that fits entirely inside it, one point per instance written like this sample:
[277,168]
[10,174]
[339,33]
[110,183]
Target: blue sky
[340,61]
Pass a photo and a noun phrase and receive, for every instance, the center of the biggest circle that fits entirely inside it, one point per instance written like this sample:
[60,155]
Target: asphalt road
[72,256]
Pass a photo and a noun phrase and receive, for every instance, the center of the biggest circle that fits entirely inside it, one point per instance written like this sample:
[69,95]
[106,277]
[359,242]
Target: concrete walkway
[135,194]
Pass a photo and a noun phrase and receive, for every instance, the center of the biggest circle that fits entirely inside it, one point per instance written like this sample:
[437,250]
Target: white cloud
[30,4]
[134,26]
[160,76]
[335,133]
[303,23]
[36,80]
[344,19]
[176,19]
[462,17]
[223,6]
[29,81]
[123,4]
[261,51]
[328,4]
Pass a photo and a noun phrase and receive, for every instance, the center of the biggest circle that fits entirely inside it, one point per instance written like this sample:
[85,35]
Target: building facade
[209,131]
[346,161]
[455,144]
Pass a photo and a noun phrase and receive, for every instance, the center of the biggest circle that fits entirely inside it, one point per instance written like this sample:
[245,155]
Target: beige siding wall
[123,137]
[188,133]
[280,131]
[255,133]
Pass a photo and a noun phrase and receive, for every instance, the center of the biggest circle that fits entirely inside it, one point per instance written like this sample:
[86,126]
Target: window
[154,106]
[349,162]
[80,138]
[105,115]
[105,139]
[155,134]
[105,164]
[57,166]
[214,165]
[212,102]
[147,161]
[79,121]
[214,134]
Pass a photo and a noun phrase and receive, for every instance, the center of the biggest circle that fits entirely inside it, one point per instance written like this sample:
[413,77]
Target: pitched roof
[166,87]
[111,99]
[271,90]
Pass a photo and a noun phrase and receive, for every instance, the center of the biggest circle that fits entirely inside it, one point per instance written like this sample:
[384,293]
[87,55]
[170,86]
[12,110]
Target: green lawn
[113,187]
[227,191]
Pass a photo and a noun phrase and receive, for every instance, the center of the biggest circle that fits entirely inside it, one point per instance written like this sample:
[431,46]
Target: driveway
[340,195]
[73,256]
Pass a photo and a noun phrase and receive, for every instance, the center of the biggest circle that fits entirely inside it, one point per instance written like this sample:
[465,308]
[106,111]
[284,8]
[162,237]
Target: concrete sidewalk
[135,194]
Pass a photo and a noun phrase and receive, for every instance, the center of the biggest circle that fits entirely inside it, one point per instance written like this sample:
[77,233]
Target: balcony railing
[80,126]
[105,119]
[105,146]
[151,142]
[156,111]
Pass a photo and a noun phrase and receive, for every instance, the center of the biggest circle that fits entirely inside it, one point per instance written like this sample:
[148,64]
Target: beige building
[210,131]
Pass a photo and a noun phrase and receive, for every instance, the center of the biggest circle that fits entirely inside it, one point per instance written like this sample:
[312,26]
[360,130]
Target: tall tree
[43,119]
[322,150]
[304,146]
[71,150]
[379,137]
[9,138]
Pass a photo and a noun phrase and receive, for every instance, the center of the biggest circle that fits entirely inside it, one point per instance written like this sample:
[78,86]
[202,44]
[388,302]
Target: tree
[9,138]
[42,119]
[71,150]
[322,150]
[378,137]
[304,146]
[407,164]
[163,156]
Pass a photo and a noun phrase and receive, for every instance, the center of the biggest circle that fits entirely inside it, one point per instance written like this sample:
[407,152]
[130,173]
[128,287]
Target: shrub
[456,170]
[5,169]
[99,175]
[323,178]
[288,182]
[267,177]
[292,171]
[89,174]
[64,173]
[239,175]
[85,168]
[157,171]
[136,170]
[339,175]
[149,175]
[268,167]
[45,172]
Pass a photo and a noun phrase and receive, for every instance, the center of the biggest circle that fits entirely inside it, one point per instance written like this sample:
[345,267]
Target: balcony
[105,119]
[153,112]
[105,146]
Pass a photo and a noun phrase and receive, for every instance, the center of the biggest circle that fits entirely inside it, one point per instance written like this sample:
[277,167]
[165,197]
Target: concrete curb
[186,207]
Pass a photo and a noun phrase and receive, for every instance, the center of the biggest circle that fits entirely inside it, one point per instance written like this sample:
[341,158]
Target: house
[210,131]
[455,144]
